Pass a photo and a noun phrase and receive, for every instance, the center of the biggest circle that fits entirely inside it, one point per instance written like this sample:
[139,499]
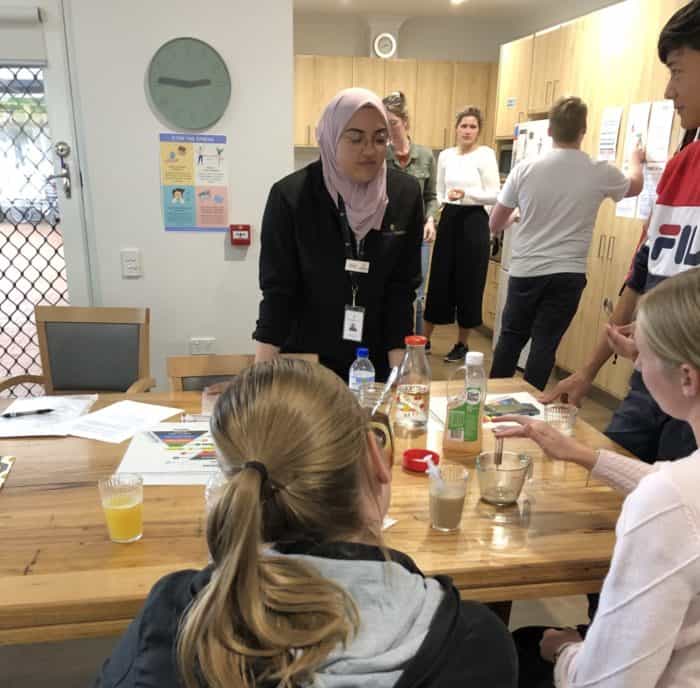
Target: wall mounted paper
[194,184]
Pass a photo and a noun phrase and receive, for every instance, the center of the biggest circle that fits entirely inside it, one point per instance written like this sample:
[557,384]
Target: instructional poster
[194,184]
[635,136]
[609,132]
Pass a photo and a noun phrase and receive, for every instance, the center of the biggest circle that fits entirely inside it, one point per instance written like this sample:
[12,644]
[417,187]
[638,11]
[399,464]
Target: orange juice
[124,516]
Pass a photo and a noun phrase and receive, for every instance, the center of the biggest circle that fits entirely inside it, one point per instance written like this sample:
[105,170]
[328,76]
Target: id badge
[361,266]
[353,323]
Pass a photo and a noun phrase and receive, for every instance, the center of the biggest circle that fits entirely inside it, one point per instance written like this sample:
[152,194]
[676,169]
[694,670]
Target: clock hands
[183,83]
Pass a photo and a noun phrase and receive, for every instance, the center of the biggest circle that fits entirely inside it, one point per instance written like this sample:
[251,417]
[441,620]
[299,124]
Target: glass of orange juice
[122,503]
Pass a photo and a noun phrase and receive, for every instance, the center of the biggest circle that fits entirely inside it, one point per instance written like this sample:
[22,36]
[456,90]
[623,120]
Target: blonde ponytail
[264,616]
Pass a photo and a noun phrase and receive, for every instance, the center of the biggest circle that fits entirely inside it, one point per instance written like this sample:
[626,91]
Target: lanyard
[354,250]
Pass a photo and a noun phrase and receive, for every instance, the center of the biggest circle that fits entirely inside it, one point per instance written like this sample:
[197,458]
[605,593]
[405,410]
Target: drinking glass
[122,503]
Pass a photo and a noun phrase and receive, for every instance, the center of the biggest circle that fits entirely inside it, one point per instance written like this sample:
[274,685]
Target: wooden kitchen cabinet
[434,82]
[369,72]
[488,312]
[545,77]
[513,85]
[472,86]
[400,75]
[305,100]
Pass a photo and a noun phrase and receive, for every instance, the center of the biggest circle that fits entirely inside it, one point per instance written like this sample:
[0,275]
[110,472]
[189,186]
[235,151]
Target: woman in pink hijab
[340,253]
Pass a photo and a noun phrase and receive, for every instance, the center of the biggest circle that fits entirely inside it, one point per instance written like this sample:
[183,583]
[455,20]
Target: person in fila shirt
[672,246]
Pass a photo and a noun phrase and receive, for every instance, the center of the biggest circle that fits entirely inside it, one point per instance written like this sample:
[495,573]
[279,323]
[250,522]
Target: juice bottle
[413,389]
[463,432]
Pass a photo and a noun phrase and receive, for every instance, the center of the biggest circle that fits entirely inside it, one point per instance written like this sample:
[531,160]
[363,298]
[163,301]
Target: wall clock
[188,84]
[385,45]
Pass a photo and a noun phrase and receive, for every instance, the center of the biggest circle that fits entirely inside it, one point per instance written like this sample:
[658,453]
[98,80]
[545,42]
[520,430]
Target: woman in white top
[646,631]
[467,179]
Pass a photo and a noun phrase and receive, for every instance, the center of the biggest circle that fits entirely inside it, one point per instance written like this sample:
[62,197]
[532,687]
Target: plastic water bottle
[413,390]
[361,371]
[463,431]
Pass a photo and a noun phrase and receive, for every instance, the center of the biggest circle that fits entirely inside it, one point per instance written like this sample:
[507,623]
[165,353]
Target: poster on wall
[194,184]
[609,132]
[635,136]
[658,141]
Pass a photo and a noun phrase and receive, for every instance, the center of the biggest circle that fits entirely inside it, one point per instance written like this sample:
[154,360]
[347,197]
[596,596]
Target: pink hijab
[364,203]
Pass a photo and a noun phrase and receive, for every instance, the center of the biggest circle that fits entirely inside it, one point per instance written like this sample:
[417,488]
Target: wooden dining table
[62,578]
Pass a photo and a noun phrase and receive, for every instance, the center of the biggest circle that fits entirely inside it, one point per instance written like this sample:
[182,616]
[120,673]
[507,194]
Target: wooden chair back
[187,373]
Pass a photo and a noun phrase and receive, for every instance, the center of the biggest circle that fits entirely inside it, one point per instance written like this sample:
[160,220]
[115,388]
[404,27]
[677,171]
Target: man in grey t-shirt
[558,196]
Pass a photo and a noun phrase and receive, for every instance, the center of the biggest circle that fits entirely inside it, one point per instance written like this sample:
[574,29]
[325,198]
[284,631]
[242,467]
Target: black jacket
[467,646]
[302,271]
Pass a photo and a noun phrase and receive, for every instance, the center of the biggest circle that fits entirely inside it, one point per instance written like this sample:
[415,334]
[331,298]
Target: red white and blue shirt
[673,237]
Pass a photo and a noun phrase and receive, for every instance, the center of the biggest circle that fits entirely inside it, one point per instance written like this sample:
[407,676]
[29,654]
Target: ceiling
[481,9]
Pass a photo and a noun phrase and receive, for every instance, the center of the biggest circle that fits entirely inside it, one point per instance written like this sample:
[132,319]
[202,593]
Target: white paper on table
[438,406]
[522,397]
[660,126]
[65,410]
[388,522]
[609,133]
[120,421]
[159,465]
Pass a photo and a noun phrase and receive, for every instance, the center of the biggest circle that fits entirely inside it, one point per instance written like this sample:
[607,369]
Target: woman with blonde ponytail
[646,632]
[301,591]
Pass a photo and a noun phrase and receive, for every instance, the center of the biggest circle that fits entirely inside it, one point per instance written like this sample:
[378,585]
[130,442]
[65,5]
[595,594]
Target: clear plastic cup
[122,503]
[561,416]
[502,484]
[447,498]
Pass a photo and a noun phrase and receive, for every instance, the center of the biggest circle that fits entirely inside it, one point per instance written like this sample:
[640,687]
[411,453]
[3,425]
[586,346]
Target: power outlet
[131,263]
[202,345]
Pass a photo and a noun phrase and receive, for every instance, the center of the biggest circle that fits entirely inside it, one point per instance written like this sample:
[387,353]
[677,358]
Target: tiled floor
[74,664]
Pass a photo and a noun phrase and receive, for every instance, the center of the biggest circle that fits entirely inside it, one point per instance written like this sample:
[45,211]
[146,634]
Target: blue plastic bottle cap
[362,352]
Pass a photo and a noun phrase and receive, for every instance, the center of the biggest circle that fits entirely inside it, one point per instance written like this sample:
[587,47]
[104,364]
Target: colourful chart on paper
[177,439]
[194,184]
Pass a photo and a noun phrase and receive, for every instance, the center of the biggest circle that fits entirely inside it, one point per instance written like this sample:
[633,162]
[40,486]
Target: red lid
[416,340]
[413,459]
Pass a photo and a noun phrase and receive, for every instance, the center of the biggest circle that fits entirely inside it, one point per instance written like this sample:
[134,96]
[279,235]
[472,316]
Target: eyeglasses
[380,426]
[360,140]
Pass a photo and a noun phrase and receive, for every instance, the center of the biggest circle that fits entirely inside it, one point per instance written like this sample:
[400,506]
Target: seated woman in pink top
[647,628]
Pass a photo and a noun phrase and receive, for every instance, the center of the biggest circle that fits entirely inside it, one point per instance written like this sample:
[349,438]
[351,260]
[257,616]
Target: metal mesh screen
[32,266]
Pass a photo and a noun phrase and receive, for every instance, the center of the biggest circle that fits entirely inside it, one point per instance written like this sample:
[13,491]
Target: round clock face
[188,84]
[385,45]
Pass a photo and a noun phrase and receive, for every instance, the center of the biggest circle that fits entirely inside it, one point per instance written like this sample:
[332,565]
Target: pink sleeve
[620,472]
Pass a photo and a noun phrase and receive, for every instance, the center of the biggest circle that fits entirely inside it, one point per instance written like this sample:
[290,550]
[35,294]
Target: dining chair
[194,373]
[85,349]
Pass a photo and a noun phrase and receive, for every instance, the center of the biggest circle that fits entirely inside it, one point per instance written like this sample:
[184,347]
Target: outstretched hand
[551,441]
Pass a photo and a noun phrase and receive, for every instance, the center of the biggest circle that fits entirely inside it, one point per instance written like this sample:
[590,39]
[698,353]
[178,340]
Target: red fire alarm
[240,235]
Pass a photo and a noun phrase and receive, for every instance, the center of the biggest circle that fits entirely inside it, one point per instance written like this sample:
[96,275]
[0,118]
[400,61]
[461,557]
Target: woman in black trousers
[467,180]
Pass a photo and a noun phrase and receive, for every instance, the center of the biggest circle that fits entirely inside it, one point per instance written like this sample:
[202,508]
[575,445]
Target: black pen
[19,414]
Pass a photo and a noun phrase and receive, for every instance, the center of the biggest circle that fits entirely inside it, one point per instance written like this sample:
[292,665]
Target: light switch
[131,262]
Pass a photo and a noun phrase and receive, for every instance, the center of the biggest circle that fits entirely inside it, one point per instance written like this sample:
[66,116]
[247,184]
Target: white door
[43,245]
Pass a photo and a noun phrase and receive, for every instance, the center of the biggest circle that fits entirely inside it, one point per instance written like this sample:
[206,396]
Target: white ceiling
[481,9]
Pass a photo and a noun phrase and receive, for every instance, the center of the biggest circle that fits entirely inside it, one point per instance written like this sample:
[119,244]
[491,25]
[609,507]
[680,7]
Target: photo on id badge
[353,323]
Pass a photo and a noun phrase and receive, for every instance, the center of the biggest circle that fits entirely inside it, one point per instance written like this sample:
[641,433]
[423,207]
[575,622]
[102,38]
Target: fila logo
[682,239]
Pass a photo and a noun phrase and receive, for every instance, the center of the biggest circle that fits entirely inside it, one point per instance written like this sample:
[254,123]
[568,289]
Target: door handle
[608,306]
[600,245]
[611,247]
[62,150]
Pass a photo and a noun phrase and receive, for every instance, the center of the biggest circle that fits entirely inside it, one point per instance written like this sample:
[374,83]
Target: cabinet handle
[546,92]
[554,89]
[308,134]
[600,245]
[611,249]
[444,138]
[608,306]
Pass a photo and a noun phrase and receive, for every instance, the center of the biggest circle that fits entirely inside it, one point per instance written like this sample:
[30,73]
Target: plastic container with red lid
[415,340]
[413,459]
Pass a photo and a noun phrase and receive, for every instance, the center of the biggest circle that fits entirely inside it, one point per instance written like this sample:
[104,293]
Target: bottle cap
[416,340]
[413,459]
[475,358]
[361,352]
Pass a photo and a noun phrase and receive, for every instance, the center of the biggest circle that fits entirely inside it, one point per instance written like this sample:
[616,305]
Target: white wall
[195,285]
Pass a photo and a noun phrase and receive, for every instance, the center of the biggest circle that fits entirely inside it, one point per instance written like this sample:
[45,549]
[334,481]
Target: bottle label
[463,420]
[357,379]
